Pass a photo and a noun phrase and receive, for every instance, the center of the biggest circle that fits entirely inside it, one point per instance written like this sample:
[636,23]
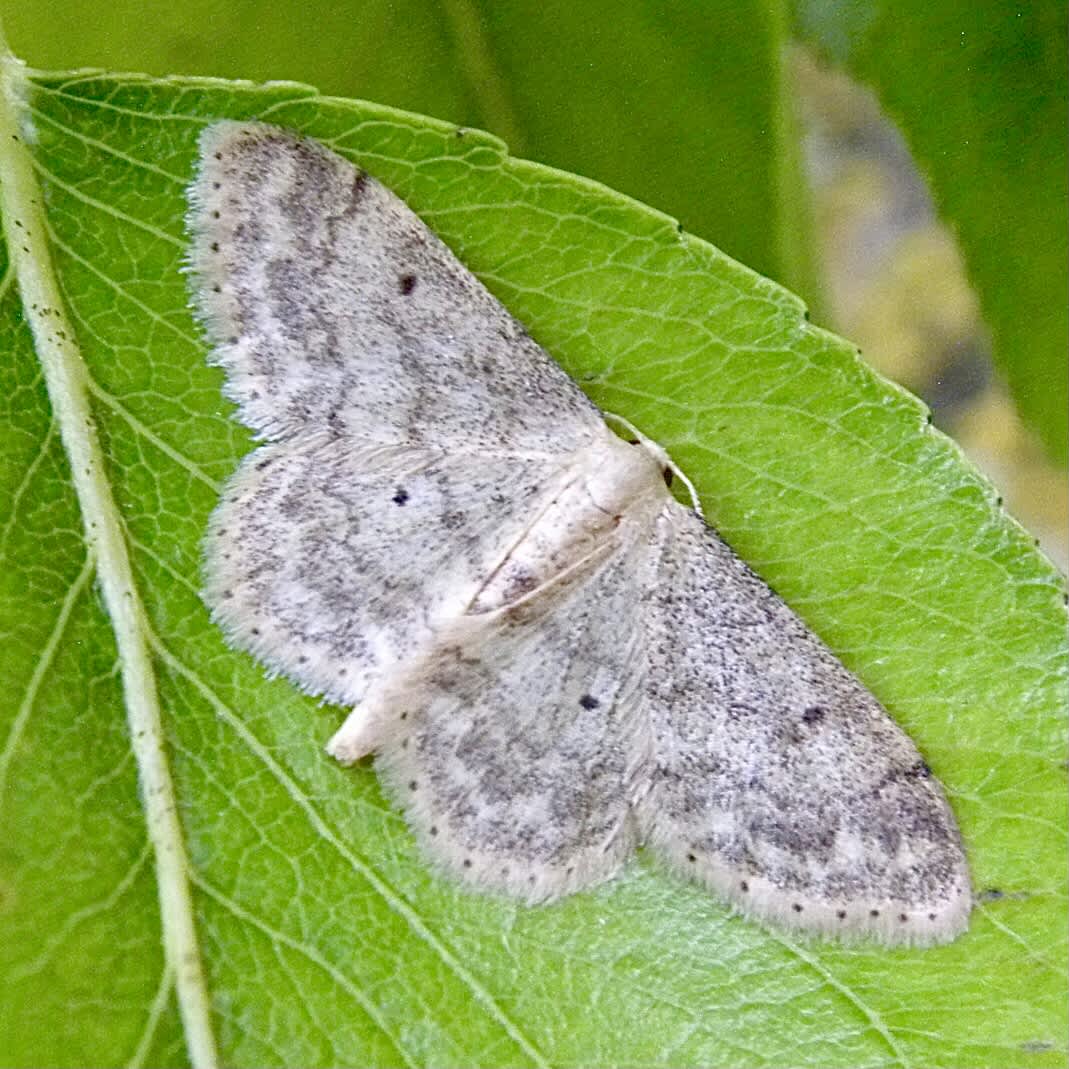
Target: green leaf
[681,105]
[980,92]
[324,937]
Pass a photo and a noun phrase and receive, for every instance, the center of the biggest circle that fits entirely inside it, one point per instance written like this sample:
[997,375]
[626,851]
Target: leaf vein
[389,896]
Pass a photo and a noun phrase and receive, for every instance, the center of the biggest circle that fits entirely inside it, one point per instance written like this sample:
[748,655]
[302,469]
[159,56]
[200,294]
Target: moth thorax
[619,473]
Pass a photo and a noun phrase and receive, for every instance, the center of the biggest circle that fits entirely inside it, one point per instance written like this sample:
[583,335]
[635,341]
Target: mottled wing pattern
[428,463]
[416,425]
[331,305]
[526,743]
[778,780]
[334,563]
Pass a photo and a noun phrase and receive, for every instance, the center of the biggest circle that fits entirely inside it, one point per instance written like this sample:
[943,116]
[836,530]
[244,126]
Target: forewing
[331,305]
[335,564]
[527,736]
[778,779]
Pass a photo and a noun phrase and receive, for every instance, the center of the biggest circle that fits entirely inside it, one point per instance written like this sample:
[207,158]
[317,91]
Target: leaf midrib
[26,233]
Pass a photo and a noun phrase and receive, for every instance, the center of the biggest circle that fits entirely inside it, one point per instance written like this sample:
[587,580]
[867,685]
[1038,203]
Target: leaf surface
[325,937]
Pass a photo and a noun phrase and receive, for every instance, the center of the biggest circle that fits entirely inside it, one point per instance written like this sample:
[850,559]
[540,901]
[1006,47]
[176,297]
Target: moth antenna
[677,471]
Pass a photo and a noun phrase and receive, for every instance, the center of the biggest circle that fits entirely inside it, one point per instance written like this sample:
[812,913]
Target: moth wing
[527,736]
[332,306]
[334,564]
[779,780]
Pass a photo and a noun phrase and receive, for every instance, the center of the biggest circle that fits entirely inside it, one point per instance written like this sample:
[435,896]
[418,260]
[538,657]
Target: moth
[553,660]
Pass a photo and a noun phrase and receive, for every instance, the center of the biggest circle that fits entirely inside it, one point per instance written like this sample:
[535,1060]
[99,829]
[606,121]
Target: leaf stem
[65,376]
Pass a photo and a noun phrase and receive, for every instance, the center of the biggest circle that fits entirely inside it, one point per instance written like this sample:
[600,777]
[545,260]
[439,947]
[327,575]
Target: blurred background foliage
[746,120]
